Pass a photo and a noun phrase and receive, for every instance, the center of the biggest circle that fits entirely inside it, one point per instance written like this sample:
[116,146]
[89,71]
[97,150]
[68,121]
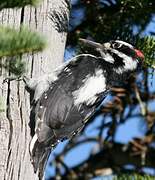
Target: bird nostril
[139,54]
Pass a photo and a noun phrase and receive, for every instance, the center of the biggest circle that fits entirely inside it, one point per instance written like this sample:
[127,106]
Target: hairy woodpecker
[67,98]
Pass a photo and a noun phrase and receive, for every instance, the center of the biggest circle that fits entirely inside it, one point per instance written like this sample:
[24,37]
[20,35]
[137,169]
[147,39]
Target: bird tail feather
[39,156]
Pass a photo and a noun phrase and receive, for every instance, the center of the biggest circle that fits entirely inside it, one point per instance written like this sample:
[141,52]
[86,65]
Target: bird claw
[8,79]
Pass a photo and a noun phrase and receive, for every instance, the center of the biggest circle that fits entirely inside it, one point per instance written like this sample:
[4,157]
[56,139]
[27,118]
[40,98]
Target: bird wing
[57,115]
[57,108]
[57,119]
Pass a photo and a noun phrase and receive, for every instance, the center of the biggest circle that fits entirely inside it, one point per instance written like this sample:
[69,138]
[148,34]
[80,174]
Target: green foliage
[15,65]
[2,105]
[133,177]
[13,42]
[147,45]
[107,20]
[16,3]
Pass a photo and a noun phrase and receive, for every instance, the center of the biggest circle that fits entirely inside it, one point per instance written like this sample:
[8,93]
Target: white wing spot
[92,86]
[45,96]
[32,144]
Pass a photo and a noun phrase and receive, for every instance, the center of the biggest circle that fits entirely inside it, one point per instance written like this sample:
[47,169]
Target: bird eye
[117,45]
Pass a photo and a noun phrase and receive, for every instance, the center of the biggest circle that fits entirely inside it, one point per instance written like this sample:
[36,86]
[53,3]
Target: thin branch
[141,103]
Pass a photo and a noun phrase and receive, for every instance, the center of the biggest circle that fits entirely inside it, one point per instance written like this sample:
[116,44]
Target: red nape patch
[139,54]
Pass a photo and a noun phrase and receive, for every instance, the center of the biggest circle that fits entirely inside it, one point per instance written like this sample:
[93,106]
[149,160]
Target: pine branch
[133,177]
[16,3]
[13,42]
[15,65]
[147,45]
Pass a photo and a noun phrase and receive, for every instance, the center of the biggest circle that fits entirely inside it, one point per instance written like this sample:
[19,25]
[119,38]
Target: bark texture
[50,18]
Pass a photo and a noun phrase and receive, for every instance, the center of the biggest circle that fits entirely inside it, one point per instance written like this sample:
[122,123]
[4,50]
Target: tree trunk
[14,128]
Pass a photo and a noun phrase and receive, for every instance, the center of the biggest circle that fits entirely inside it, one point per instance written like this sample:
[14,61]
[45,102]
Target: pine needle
[17,3]
[147,46]
[14,42]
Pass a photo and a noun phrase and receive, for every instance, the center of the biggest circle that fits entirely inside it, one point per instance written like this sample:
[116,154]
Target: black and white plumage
[67,98]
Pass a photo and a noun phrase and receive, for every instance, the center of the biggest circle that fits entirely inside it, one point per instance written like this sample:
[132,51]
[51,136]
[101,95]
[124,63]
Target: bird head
[122,56]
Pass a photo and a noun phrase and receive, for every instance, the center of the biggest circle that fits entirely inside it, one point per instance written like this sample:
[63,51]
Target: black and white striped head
[121,55]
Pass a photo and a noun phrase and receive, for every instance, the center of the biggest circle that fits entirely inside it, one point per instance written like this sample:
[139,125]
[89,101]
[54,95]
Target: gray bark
[14,129]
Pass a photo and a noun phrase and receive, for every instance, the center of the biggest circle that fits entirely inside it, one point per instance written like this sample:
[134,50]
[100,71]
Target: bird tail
[39,156]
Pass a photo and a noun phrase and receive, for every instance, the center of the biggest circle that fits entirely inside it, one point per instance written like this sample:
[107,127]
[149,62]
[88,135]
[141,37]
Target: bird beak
[91,43]
[139,54]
